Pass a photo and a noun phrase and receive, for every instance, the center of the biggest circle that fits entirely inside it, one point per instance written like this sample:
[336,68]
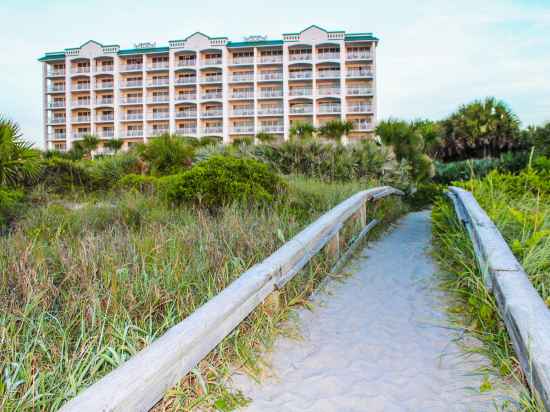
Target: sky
[433,55]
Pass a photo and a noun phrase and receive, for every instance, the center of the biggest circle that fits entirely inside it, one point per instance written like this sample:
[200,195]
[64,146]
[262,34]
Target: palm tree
[336,129]
[265,137]
[302,130]
[114,144]
[19,163]
[85,147]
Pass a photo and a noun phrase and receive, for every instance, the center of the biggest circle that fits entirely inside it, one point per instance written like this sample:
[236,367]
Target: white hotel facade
[210,86]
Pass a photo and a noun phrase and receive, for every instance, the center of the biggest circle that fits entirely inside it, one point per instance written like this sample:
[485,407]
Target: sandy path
[376,342]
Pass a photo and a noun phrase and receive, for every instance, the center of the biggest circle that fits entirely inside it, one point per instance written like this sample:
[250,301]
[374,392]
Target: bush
[221,180]
[245,140]
[62,175]
[107,171]
[10,204]
[425,195]
[166,155]
[138,182]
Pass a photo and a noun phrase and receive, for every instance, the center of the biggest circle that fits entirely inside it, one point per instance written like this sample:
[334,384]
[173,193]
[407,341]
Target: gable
[313,34]
[197,41]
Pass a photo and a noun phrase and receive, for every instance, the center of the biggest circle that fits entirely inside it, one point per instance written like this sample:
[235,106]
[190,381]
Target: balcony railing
[56,88]
[324,74]
[131,83]
[243,112]
[360,108]
[107,68]
[271,93]
[132,67]
[211,79]
[81,103]
[212,113]
[131,100]
[57,136]
[242,78]
[104,100]
[85,69]
[300,92]
[57,120]
[158,131]
[299,57]
[212,61]
[243,60]
[360,73]
[243,129]
[263,111]
[56,72]
[104,85]
[106,118]
[158,65]
[362,126]
[328,56]
[272,128]
[80,135]
[186,80]
[212,95]
[271,59]
[242,95]
[330,108]
[359,55]
[186,63]
[186,96]
[270,76]
[186,130]
[300,75]
[158,99]
[106,133]
[132,116]
[81,86]
[301,109]
[158,115]
[328,91]
[56,105]
[359,91]
[134,133]
[158,82]
[186,114]
[82,119]
[213,129]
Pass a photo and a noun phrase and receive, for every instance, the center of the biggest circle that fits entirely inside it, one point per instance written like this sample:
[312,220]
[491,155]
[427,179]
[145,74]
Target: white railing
[57,120]
[82,119]
[134,133]
[328,91]
[270,75]
[271,59]
[295,91]
[243,60]
[104,85]
[211,79]
[106,118]
[158,65]
[186,130]
[132,116]
[263,111]
[271,93]
[132,67]
[359,91]
[359,55]
[213,129]
[300,75]
[242,95]
[131,100]
[362,126]
[186,63]
[328,56]
[186,114]
[360,73]
[360,108]
[299,57]
[242,78]
[158,99]
[212,113]
[56,88]
[330,108]
[81,103]
[243,112]
[131,83]
[158,131]
[105,100]
[80,135]
[243,129]
[186,80]
[324,74]
[106,134]
[301,109]
[158,82]
[107,68]
[81,86]
[56,72]
[57,136]
[279,128]
[212,61]
[158,115]
[212,95]
[81,69]
[54,105]
[186,96]
[169,358]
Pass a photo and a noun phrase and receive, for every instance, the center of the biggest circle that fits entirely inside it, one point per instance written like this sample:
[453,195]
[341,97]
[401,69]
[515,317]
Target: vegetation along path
[380,341]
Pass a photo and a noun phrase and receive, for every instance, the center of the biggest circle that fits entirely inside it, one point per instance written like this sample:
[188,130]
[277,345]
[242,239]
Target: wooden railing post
[333,246]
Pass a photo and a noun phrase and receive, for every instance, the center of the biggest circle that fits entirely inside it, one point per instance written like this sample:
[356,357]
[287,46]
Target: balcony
[104,101]
[131,84]
[186,114]
[56,88]
[243,60]
[81,86]
[328,56]
[271,93]
[301,109]
[212,113]
[158,131]
[104,86]
[249,111]
[211,95]
[134,133]
[213,129]
[158,66]
[328,91]
[270,76]
[186,63]
[56,105]
[132,116]
[362,126]
[106,134]
[131,100]
[212,61]
[158,99]
[82,119]
[80,135]
[182,97]
[57,136]
[243,129]
[106,118]
[80,70]
[297,92]
[57,120]
[242,95]
[272,128]
[360,73]
[299,57]
[186,131]
[186,80]
[300,75]
[131,67]
[359,91]
[270,111]
[328,74]
[242,78]
[329,108]
[212,79]
[270,59]
[107,68]
[360,108]
[359,55]
[81,103]
[158,116]
[55,72]
[157,82]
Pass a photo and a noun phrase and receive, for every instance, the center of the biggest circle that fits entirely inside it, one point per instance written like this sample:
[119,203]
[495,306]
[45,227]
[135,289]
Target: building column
[286,103]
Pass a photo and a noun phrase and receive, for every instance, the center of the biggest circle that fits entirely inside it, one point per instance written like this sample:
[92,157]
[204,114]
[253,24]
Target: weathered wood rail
[139,383]
[526,316]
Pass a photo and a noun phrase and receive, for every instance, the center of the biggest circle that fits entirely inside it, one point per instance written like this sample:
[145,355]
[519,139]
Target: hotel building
[205,85]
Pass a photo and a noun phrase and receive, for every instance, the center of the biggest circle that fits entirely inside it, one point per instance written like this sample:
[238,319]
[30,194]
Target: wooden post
[333,246]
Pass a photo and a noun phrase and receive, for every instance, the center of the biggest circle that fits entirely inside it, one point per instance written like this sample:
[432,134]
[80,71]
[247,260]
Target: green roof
[52,56]
[360,36]
[257,43]
[144,50]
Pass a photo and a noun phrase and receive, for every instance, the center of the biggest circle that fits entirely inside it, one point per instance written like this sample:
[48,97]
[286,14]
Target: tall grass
[86,284]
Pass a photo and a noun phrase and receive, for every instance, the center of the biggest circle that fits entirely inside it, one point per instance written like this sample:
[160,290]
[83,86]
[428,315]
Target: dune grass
[89,280]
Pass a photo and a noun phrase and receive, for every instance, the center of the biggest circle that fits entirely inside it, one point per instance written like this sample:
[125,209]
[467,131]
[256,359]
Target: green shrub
[137,182]
[245,140]
[210,140]
[10,204]
[542,164]
[63,175]
[425,195]
[107,171]
[221,180]
[166,155]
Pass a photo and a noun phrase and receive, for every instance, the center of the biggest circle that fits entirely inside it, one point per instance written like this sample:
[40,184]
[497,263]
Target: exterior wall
[332,95]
